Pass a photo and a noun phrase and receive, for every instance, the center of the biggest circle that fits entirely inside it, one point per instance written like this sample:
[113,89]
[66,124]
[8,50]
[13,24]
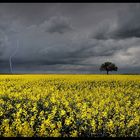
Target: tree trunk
[107,72]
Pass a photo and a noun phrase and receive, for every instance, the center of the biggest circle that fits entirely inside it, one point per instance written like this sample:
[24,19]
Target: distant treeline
[130,73]
[69,73]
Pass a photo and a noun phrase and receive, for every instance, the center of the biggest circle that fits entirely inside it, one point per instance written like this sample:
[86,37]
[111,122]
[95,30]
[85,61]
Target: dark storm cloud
[128,23]
[3,43]
[125,26]
[69,37]
[27,13]
[57,25]
[1,47]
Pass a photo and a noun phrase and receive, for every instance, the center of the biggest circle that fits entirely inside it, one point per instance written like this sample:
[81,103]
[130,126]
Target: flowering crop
[69,105]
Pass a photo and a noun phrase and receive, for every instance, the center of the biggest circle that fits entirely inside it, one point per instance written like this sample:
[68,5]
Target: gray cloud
[69,37]
[57,24]
[126,25]
[3,43]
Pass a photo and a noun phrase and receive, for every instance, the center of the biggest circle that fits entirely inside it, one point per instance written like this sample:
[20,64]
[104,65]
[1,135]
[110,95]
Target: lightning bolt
[11,56]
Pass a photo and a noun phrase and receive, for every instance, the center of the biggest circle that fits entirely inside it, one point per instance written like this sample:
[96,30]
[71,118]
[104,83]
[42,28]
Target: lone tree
[108,66]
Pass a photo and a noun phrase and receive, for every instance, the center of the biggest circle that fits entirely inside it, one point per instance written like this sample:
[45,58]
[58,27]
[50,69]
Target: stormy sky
[69,37]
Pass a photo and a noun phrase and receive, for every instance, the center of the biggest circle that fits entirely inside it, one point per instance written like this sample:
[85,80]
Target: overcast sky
[69,38]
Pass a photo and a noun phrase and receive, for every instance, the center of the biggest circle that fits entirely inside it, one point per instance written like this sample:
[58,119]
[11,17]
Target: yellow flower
[74,133]
[51,105]
[68,121]
[63,112]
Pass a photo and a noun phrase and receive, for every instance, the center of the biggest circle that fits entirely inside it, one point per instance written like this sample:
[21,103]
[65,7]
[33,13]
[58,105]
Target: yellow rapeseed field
[69,105]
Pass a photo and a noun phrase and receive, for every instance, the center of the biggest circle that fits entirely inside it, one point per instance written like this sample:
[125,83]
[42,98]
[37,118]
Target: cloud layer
[74,38]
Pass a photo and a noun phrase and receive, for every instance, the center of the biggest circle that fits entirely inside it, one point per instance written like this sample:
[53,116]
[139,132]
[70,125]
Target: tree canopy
[108,66]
